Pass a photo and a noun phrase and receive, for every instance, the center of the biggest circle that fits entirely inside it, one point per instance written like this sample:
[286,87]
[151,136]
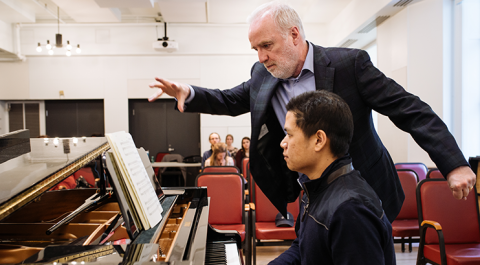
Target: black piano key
[215,253]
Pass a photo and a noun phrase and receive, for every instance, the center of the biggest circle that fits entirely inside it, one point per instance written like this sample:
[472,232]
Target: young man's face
[214,138]
[298,150]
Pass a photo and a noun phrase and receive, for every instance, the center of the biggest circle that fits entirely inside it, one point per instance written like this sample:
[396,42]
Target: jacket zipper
[305,207]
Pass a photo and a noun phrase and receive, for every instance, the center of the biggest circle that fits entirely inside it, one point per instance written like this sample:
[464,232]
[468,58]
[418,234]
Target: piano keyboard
[222,253]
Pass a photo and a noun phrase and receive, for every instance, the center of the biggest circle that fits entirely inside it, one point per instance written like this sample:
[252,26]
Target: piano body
[38,225]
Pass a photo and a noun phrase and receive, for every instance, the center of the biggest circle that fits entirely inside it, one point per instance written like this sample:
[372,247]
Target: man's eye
[266,46]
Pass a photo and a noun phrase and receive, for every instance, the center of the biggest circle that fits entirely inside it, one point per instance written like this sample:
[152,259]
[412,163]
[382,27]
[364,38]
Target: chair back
[221,169]
[459,218]
[244,166]
[226,196]
[434,174]
[419,168]
[160,156]
[266,212]
[408,179]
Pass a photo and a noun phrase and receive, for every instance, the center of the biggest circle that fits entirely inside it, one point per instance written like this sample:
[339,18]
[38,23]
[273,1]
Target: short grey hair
[285,17]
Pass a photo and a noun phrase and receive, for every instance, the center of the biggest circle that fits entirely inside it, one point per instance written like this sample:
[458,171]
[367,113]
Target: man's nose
[262,57]
[283,144]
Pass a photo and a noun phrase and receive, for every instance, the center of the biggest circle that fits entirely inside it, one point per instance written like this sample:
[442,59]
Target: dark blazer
[350,74]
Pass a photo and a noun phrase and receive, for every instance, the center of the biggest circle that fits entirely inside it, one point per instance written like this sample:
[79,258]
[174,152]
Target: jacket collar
[323,74]
[336,169]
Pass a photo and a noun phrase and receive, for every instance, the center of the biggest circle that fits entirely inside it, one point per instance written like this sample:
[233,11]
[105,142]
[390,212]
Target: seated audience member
[213,138]
[219,156]
[242,153]
[341,220]
[232,149]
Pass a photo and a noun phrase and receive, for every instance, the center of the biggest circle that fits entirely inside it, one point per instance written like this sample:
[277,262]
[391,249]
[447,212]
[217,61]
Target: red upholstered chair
[248,176]
[419,168]
[244,167]
[158,158]
[221,169]
[406,223]
[227,208]
[434,174]
[67,184]
[450,228]
[263,222]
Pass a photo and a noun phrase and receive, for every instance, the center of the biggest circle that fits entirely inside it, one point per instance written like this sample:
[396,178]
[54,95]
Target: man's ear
[320,140]
[295,33]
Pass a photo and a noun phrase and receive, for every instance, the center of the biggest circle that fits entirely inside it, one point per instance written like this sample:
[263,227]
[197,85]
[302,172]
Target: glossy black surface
[44,159]
[14,144]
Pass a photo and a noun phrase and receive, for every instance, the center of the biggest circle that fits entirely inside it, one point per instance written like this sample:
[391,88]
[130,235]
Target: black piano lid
[29,175]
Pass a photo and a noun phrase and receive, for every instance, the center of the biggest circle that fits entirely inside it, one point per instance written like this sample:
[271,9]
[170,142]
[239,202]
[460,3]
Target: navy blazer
[350,74]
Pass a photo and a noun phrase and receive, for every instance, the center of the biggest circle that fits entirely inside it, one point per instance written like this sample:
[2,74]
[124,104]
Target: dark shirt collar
[322,182]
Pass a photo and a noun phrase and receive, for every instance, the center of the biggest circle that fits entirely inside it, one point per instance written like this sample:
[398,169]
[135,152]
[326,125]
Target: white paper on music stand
[136,177]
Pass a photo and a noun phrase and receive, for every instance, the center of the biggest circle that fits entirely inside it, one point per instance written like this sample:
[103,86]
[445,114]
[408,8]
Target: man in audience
[341,220]
[213,138]
[288,66]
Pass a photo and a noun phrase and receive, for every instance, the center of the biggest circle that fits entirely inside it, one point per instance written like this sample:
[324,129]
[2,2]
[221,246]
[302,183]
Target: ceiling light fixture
[58,41]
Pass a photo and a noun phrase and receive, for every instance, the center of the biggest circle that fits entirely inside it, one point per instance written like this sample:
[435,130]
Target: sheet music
[137,180]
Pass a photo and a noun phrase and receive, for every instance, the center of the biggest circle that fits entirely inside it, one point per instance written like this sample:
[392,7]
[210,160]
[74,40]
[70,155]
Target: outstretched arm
[414,116]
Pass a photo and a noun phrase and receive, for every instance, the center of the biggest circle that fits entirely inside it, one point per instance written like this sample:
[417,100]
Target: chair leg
[254,248]
[410,244]
[403,244]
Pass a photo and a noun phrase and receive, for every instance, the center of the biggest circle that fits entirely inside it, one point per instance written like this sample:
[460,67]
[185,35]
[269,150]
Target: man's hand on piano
[461,181]
[177,90]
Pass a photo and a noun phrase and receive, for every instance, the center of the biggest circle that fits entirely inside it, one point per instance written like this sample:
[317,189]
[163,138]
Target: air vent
[379,20]
[348,42]
[403,3]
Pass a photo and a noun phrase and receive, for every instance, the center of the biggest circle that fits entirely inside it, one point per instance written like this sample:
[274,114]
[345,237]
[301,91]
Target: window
[467,80]
[23,115]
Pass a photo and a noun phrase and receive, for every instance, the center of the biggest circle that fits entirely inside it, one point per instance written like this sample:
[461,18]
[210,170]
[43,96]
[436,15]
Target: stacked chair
[221,169]
[449,228]
[419,168]
[406,223]
[434,174]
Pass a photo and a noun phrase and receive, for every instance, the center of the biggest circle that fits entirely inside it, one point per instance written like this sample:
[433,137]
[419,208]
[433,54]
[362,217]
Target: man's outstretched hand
[177,90]
[461,181]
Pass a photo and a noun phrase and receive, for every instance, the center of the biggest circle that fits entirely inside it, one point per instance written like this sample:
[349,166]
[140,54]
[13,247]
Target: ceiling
[149,11]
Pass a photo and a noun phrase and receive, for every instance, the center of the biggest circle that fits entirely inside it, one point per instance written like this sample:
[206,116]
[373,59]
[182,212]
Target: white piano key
[231,252]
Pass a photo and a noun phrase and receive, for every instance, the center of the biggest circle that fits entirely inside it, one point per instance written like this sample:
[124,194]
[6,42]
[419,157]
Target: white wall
[118,63]
[411,51]
[6,36]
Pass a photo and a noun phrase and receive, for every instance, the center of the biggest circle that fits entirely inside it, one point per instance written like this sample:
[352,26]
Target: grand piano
[93,225]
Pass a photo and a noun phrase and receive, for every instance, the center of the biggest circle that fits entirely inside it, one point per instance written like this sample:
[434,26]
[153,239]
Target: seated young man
[341,219]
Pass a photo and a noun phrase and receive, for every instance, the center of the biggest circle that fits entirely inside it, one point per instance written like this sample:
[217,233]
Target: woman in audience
[232,149]
[219,156]
[242,153]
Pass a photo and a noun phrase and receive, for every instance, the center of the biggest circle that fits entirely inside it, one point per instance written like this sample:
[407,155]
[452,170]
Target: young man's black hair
[322,110]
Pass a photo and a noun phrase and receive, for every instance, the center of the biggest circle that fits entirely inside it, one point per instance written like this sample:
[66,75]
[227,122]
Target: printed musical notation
[137,182]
